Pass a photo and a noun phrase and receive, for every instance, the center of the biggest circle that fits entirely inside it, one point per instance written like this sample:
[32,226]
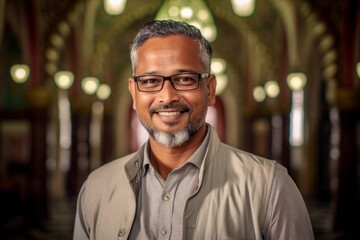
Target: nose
[168,94]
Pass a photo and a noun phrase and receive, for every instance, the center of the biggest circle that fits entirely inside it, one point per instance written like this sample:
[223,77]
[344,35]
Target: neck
[165,159]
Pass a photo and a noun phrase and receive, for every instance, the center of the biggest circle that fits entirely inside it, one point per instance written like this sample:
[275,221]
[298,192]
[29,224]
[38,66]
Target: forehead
[163,53]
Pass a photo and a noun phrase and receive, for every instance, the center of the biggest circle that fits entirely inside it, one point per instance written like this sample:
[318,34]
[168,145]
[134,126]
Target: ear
[211,86]
[132,90]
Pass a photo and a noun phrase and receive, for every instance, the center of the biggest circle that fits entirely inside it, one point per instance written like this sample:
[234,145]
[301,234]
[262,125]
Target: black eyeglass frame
[169,78]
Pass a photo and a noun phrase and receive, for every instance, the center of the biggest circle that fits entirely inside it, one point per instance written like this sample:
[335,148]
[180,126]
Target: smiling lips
[169,110]
[169,117]
[170,113]
[166,114]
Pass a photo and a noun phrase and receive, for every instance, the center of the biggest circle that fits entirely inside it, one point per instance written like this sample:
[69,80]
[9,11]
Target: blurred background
[288,89]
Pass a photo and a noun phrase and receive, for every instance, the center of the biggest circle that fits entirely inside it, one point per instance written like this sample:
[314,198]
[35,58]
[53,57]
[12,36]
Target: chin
[175,138]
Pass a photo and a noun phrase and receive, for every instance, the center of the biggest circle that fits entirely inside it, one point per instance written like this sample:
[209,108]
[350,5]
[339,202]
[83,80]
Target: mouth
[169,113]
[169,109]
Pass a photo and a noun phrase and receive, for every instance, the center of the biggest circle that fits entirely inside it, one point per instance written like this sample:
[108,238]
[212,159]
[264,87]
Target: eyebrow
[178,71]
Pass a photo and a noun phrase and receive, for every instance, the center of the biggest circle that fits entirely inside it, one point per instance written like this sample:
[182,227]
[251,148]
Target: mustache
[173,106]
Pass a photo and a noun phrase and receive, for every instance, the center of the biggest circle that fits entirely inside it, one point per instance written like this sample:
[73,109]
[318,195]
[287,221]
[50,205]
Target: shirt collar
[196,158]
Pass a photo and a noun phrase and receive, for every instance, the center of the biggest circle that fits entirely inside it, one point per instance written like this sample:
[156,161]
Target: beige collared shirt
[238,195]
[160,203]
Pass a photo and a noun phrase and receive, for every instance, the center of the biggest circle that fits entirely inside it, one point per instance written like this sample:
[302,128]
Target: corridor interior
[288,89]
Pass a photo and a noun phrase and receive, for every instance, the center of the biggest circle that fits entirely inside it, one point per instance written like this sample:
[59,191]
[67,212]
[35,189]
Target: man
[183,183]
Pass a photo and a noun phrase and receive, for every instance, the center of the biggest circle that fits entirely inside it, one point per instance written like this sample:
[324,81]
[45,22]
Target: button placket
[167,197]
[166,208]
[165,213]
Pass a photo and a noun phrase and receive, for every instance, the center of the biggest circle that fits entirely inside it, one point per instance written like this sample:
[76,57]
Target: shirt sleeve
[287,216]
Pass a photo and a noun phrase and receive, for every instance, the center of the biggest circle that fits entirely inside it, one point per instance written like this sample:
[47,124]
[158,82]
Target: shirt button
[164,231]
[122,232]
[167,197]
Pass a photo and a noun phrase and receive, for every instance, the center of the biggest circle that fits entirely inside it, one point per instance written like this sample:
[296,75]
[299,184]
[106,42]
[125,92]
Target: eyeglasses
[180,82]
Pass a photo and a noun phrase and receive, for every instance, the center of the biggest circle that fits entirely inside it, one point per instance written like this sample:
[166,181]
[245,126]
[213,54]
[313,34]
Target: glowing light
[114,7]
[20,72]
[65,122]
[297,119]
[90,85]
[218,65]
[243,8]
[272,89]
[209,32]
[296,136]
[358,69]
[64,79]
[259,94]
[103,92]
[222,82]
[186,12]
[296,81]
[195,13]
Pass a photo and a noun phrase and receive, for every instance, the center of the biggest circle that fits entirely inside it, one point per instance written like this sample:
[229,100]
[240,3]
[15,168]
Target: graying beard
[174,139]
[171,139]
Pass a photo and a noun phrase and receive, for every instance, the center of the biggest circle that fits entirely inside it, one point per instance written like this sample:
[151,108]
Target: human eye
[185,79]
[149,81]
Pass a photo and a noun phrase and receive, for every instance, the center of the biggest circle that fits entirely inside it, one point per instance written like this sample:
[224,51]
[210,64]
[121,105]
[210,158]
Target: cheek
[142,103]
[198,103]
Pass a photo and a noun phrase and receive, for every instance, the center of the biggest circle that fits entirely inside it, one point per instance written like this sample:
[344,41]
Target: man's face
[170,111]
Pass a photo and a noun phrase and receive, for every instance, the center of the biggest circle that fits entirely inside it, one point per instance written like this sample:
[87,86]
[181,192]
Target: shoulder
[107,189]
[247,161]
[101,183]
[287,216]
[112,167]
[110,173]
[219,152]
[284,184]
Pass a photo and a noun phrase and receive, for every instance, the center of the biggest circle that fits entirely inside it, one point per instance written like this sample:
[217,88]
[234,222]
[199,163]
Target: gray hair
[164,28]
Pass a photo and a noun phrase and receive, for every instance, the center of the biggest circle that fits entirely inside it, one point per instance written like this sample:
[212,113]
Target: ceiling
[281,36]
